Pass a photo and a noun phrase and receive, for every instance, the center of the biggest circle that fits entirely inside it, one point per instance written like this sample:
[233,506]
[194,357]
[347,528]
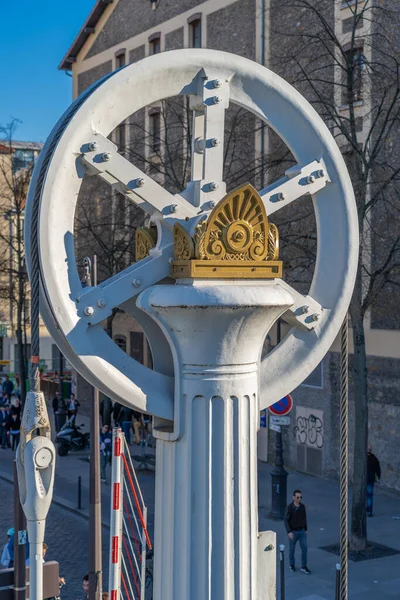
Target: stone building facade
[123,31]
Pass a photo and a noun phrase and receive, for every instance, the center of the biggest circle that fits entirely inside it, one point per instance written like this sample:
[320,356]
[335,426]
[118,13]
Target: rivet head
[304,309]
[139,182]
[217,99]
[315,317]
[89,311]
[217,83]
[101,303]
[136,282]
[106,156]
[174,208]
[214,185]
[321,173]
[281,196]
[310,179]
[215,142]
[212,204]
[93,146]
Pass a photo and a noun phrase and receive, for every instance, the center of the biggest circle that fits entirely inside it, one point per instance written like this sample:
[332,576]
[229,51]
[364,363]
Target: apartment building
[120,32]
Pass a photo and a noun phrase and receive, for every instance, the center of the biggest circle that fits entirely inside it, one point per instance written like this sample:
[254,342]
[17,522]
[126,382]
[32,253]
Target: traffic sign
[282,407]
[263,418]
[4,362]
[276,428]
[279,420]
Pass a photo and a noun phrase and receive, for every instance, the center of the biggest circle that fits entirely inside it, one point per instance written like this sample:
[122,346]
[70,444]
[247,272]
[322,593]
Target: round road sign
[282,407]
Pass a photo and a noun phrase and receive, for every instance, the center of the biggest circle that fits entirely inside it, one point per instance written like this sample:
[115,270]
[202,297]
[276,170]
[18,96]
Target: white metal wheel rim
[289,114]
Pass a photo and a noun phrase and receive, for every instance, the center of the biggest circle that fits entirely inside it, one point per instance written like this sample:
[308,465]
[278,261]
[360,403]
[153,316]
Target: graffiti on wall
[309,427]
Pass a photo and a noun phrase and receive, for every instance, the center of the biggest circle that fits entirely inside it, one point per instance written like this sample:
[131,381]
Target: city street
[67,531]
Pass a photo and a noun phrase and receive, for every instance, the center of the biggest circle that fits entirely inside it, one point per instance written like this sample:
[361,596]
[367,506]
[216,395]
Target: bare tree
[349,71]
[14,292]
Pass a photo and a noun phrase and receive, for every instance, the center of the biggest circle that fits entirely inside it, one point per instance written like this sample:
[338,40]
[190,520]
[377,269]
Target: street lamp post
[279,474]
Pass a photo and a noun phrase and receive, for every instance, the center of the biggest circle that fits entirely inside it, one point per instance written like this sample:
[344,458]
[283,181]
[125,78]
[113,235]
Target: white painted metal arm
[101,157]
[96,303]
[298,181]
[305,312]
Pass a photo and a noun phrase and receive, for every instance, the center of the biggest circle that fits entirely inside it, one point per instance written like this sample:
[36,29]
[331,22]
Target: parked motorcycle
[71,438]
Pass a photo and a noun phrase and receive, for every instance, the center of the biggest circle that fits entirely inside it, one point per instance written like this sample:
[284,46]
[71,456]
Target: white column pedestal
[206,523]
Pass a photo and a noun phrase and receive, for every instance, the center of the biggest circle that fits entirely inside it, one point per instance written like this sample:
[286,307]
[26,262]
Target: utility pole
[19,548]
[95,559]
[279,474]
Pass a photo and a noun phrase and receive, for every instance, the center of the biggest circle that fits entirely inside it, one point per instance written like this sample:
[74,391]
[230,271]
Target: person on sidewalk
[8,386]
[296,527]
[73,406]
[14,425]
[105,451]
[85,585]
[5,555]
[125,417]
[373,474]
[3,426]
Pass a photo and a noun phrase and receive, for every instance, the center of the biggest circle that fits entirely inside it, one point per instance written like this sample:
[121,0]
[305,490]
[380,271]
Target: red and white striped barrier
[114,584]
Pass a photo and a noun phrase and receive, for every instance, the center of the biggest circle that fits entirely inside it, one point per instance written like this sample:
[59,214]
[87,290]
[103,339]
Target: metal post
[19,549]
[282,569]
[344,459]
[79,492]
[279,474]
[144,548]
[61,365]
[337,588]
[95,561]
[114,573]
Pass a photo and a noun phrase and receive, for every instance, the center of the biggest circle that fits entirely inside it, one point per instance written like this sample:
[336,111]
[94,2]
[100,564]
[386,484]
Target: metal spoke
[308,179]
[207,187]
[305,312]
[95,304]
[100,157]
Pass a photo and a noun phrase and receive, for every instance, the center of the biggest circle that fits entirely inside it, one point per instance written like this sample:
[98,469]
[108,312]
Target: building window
[155,43]
[155,131]
[137,341]
[23,159]
[316,378]
[195,33]
[120,340]
[120,60]
[355,65]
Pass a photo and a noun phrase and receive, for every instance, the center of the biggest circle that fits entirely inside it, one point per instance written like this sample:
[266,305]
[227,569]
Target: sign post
[278,418]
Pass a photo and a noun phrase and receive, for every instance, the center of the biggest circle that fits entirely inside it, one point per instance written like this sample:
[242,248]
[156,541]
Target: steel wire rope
[127,577]
[136,501]
[132,529]
[131,549]
[135,579]
[131,506]
[134,471]
[344,458]
[125,586]
[34,242]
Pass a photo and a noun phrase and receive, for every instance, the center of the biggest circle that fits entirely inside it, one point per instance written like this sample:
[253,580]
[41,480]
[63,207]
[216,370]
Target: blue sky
[33,40]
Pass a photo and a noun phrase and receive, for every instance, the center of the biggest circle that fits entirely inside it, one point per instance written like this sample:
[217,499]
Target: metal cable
[344,457]
[34,250]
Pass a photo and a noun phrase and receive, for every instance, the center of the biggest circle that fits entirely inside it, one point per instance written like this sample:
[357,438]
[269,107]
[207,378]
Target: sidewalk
[377,579]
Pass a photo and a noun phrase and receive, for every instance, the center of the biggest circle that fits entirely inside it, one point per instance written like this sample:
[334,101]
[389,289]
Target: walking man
[373,474]
[296,527]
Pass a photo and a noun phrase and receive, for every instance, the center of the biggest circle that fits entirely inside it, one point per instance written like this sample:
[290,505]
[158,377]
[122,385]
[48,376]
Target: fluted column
[206,480]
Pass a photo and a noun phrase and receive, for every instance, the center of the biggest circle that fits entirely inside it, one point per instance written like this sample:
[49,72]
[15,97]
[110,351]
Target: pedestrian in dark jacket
[3,426]
[373,474]
[296,527]
[14,425]
[8,386]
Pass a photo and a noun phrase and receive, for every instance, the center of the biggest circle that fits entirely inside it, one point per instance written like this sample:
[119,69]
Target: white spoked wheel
[79,142]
